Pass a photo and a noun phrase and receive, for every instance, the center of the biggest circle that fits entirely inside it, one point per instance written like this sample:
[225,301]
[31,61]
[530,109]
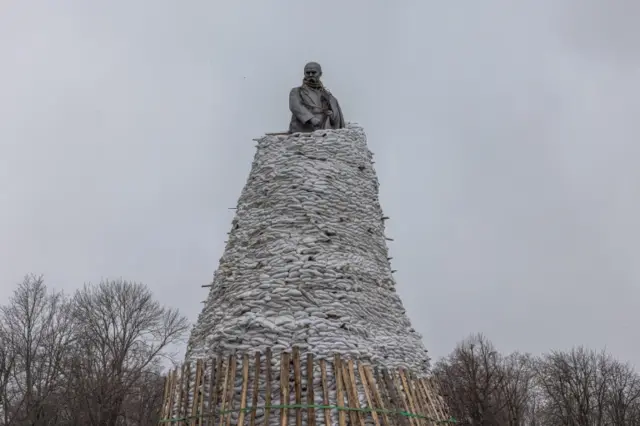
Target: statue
[312,106]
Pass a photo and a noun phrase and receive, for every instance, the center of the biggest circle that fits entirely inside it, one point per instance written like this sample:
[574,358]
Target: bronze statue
[312,106]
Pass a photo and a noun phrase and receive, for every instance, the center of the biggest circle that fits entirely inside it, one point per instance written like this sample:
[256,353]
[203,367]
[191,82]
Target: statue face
[312,72]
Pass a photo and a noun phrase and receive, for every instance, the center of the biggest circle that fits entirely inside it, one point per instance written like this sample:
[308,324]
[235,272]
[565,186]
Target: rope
[329,407]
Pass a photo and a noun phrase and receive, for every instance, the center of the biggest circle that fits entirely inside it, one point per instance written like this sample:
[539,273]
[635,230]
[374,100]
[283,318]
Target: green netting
[331,407]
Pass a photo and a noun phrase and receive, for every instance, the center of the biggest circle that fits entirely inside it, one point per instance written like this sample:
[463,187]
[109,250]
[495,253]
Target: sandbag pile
[306,263]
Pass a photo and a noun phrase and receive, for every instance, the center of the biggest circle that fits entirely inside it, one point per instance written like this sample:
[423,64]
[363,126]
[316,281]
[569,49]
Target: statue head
[312,72]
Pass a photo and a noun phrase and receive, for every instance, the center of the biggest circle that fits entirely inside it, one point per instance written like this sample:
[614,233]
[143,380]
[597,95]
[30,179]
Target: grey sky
[505,133]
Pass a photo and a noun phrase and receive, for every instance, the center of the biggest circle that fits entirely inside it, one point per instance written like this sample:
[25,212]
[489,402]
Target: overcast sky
[506,134]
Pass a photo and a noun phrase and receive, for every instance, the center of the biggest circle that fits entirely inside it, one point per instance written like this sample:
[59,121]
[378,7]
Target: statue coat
[306,102]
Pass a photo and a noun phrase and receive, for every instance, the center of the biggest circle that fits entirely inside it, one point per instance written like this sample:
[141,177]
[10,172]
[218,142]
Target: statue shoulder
[295,90]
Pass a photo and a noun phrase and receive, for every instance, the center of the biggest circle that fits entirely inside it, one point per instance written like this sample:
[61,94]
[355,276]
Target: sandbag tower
[302,324]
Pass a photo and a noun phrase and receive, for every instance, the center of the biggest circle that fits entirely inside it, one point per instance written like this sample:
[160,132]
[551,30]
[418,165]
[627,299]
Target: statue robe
[306,102]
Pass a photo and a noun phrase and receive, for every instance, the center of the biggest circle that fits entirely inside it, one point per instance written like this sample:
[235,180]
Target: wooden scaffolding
[248,390]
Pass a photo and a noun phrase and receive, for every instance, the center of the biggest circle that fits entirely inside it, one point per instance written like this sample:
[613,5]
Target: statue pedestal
[306,263]
[305,282]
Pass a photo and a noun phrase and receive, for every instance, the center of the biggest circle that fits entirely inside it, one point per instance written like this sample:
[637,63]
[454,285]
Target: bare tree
[142,406]
[483,387]
[516,392]
[124,335]
[7,360]
[574,385]
[622,393]
[472,377]
[37,330]
[96,359]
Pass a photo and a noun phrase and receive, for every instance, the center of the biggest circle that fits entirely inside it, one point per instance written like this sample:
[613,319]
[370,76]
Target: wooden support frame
[357,390]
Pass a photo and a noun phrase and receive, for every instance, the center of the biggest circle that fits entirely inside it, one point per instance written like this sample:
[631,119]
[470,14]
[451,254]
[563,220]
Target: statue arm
[336,118]
[297,108]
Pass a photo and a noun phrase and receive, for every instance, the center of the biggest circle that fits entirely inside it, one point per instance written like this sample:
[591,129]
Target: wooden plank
[346,382]
[438,406]
[354,389]
[180,392]
[352,393]
[384,393]
[223,403]
[434,406]
[165,397]
[432,409]
[325,392]
[187,384]
[232,388]
[403,397]
[424,397]
[216,390]
[256,388]
[297,379]
[245,389]
[209,411]
[441,406]
[337,372]
[419,398]
[396,402]
[353,419]
[203,394]
[376,394]
[172,392]
[176,390]
[284,387]
[409,397]
[194,403]
[267,375]
[367,394]
[311,413]
[200,393]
